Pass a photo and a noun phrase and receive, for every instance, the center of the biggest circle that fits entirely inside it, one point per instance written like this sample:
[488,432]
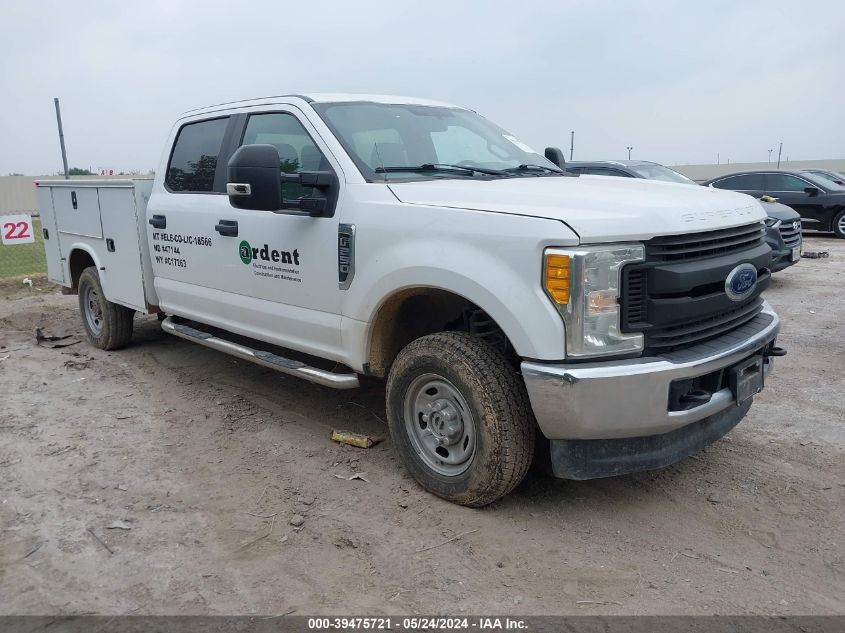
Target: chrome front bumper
[630,398]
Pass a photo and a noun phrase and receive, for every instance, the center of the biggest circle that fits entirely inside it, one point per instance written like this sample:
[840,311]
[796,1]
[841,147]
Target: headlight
[772,222]
[583,283]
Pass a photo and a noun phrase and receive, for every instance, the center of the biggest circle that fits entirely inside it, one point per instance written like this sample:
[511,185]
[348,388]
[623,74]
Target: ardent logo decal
[245,251]
[741,282]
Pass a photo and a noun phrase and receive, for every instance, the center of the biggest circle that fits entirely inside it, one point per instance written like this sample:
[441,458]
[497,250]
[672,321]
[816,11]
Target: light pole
[571,143]
[780,149]
[770,155]
[629,152]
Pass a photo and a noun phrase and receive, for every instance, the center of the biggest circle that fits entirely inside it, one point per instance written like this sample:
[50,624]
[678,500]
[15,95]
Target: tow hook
[694,398]
[774,351]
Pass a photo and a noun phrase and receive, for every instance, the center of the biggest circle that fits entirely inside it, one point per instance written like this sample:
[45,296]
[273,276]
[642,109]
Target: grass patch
[24,259]
[12,288]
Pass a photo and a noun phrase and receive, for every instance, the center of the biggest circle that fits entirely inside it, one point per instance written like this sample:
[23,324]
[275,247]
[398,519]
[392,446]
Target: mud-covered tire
[479,376]
[839,225]
[107,325]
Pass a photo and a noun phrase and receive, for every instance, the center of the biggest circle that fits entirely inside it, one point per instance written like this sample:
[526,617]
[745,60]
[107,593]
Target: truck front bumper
[576,404]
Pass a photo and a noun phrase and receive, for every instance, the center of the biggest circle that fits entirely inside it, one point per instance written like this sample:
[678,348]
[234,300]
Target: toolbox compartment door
[122,279]
[77,211]
[52,243]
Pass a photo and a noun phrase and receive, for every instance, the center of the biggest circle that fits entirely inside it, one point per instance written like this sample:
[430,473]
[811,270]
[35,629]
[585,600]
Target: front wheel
[459,417]
[108,325]
[839,224]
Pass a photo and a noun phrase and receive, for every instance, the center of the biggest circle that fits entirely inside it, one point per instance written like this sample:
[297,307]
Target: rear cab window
[193,161]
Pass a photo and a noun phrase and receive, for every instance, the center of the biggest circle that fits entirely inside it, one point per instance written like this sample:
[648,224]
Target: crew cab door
[268,275]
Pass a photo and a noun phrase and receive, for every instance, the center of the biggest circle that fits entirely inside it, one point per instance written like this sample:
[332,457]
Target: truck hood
[597,208]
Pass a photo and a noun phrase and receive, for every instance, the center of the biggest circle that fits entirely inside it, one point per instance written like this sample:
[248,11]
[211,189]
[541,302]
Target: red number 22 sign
[16,229]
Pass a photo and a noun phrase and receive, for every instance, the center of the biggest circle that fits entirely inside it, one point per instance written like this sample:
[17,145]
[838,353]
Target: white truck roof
[322,97]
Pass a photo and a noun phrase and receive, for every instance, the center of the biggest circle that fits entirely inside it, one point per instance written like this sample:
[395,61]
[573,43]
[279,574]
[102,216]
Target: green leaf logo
[245,251]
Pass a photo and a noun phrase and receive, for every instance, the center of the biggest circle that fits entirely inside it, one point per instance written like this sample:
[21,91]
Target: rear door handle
[228,228]
[158,222]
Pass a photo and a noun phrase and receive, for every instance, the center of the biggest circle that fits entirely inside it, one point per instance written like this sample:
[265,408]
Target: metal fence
[21,260]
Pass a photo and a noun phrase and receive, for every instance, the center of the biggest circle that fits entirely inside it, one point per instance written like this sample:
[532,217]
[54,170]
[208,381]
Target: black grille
[634,291]
[672,338]
[706,244]
[676,298]
[790,233]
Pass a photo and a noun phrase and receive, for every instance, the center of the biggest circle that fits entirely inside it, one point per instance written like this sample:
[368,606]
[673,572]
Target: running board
[266,359]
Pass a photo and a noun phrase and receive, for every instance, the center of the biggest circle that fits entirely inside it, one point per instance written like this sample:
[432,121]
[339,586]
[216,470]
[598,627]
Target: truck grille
[676,298]
[692,332]
[706,244]
[790,232]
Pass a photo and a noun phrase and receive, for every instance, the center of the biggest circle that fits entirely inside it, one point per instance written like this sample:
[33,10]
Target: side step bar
[266,359]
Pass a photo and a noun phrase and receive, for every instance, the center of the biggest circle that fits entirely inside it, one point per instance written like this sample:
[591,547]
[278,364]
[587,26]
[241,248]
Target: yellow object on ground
[353,439]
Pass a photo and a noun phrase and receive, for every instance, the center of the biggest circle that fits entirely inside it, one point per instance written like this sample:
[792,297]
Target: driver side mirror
[812,191]
[555,155]
[255,182]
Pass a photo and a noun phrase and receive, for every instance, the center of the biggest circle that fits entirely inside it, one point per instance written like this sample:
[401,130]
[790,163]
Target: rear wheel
[459,417]
[108,325]
[839,224]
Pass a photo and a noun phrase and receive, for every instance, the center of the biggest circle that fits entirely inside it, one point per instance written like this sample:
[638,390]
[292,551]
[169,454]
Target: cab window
[193,161]
[297,150]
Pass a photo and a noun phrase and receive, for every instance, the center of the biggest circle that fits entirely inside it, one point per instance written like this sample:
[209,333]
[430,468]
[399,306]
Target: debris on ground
[119,525]
[815,254]
[354,439]
[714,497]
[361,476]
[54,341]
[297,520]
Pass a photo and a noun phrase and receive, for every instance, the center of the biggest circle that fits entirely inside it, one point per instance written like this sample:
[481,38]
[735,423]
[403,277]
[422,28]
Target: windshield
[824,183]
[659,172]
[401,142]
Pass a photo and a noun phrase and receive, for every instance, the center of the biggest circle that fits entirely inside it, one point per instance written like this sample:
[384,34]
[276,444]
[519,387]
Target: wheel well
[79,261]
[415,312]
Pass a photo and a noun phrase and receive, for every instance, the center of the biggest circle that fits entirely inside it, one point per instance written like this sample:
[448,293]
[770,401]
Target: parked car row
[817,200]
[783,226]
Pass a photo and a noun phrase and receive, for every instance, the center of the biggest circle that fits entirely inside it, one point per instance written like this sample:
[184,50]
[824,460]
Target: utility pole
[629,152]
[780,148]
[61,136]
[717,159]
[571,143]
[770,154]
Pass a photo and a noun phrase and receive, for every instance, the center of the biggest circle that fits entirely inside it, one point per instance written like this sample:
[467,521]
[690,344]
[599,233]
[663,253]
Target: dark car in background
[783,233]
[783,226]
[627,169]
[820,202]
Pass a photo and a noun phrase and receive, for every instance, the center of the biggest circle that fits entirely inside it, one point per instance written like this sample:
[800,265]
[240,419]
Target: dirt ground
[207,460]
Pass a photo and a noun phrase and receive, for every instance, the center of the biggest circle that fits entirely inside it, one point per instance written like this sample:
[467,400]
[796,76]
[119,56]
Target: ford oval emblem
[741,282]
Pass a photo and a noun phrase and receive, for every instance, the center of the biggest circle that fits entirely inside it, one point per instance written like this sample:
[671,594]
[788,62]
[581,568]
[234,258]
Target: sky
[679,81]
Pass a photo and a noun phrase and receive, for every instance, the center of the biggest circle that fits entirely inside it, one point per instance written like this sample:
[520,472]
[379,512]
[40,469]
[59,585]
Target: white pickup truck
[615,322]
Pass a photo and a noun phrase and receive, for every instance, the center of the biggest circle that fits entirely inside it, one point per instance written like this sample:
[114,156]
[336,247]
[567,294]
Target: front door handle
[227,228]
[158,222]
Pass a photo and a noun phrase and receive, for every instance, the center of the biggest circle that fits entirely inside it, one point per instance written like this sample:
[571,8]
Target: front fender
[496,267]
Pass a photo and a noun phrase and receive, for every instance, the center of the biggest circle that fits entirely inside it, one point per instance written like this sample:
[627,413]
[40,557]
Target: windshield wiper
[528,167]
[463,169]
